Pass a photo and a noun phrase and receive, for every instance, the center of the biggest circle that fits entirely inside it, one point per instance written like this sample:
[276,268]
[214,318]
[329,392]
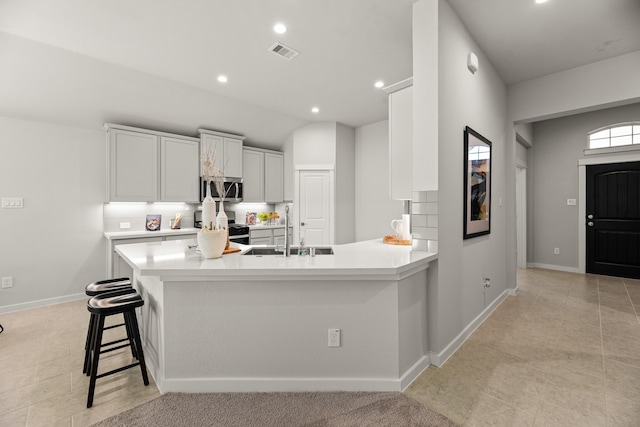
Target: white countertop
[371,259]
[132,234]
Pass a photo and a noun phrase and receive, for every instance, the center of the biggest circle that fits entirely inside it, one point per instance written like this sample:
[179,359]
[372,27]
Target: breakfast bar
[261,322]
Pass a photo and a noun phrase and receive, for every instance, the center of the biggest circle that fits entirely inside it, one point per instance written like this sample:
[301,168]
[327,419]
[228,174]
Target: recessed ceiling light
[222,78]
[280,28]
[379,84]
[315,110]
[541,1]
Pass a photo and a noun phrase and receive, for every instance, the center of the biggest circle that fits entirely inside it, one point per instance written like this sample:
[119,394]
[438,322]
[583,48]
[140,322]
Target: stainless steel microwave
[232,188]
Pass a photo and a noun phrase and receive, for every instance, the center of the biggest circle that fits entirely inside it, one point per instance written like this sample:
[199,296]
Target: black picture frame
[477,184]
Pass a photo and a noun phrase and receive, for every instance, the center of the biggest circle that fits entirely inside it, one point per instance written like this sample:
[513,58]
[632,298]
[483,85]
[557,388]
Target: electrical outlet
[12,203]
[7,282]
[124,225]
[486,282]
[556,251]
[334,337]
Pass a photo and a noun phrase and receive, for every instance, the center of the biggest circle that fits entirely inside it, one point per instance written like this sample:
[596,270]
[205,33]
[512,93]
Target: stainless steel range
[238,233]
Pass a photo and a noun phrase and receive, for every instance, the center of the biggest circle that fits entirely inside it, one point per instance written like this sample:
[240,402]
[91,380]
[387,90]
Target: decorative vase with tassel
[208,209]
[222,221]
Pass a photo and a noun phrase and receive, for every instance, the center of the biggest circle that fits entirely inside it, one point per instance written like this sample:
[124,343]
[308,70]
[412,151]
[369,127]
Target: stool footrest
[115,371]
[113,326]
[115,348]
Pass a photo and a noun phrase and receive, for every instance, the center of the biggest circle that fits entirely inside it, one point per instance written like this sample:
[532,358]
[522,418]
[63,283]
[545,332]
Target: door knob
[590,223]
[590,216]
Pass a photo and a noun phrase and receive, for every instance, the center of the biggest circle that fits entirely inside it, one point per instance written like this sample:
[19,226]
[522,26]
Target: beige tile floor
[564,352]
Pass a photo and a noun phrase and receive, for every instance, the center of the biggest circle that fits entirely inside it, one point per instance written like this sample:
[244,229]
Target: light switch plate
[571,202]
[12,203]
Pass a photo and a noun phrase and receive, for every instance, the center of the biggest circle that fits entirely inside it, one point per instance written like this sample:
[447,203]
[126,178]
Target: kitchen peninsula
[260,323]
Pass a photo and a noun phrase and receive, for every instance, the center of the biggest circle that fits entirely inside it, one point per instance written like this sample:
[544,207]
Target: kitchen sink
[294,251]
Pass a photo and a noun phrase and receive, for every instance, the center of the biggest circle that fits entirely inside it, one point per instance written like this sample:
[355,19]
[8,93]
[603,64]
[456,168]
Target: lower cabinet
[269,236]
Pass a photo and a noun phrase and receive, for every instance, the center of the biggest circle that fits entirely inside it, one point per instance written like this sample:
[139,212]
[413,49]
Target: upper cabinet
[401,139]
[149,166]
[273,177]
[263,175]
[227,149]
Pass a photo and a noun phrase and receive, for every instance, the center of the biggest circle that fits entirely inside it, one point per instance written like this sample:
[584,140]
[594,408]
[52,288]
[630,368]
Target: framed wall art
[477,184]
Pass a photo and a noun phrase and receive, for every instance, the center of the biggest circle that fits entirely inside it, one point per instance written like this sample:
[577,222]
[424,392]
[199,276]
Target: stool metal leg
[95,358]
[88,344]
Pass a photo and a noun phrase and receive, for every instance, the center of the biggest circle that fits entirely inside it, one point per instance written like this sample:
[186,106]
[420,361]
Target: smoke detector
[284,51]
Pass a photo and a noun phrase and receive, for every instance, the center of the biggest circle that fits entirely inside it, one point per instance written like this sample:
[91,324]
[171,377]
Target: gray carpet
[279,409]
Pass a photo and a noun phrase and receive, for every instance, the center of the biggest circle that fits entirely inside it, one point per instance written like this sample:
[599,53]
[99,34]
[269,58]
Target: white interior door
[315,207]
[521,216]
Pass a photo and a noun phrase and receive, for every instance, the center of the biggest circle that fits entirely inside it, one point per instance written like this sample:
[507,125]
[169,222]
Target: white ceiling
[525,40]
[345,45]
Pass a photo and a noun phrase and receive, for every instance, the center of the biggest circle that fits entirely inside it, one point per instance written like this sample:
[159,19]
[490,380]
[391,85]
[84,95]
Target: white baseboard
[414,372]
[553,267]
[41,303]
[513,291]
[244,385]
[438,359]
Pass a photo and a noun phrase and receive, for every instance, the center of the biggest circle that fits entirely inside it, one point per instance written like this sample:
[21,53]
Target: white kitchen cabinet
[261,237]
[227,149]
[273,177]
[253,178]
[401,139]
[269,236]
[150,166]
[133,166]
[263,175]
[179,170]
[120,268]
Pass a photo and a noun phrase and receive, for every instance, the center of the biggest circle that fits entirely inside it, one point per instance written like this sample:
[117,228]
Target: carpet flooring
[280,409]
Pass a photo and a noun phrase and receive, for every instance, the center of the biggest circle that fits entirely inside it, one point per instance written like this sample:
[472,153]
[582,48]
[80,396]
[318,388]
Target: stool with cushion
[105,305]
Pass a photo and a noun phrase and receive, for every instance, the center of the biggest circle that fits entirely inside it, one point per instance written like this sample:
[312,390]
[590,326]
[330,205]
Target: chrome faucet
[287,242]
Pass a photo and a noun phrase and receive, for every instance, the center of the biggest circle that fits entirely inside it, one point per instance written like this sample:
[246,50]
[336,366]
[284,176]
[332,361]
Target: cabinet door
[133,166]
[401,143]
[181,237]
[215,145]
[253,184]
[233,158]
[179,170]
[273,178]
[261,241]
[120,267]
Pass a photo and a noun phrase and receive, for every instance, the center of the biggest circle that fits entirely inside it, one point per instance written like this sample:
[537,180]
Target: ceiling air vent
[284,51]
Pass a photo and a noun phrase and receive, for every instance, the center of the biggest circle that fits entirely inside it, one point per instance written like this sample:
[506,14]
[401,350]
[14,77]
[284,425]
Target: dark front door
[613,219]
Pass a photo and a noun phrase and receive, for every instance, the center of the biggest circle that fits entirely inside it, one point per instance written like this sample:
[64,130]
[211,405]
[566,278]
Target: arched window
[615,136]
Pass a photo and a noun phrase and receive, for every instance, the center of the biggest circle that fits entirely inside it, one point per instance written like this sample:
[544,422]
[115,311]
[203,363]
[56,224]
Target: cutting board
[393,240]
[230,251]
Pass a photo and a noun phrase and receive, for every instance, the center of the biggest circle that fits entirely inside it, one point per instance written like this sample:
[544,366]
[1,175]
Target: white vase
[212,242]
[222,221]
[208,209]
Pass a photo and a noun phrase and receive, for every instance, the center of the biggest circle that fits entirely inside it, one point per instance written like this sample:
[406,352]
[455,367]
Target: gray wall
[553,178]
[479,101]
[53,246]
[374,209]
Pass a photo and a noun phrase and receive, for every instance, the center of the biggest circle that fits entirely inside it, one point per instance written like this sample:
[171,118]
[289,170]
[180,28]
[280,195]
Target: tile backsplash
[424,221]
[136,213]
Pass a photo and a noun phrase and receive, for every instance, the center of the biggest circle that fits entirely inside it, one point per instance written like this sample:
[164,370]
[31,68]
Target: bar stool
[105,305]
[122,284]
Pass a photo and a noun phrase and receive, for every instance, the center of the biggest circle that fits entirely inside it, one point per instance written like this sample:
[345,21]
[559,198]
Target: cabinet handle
[302,223]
